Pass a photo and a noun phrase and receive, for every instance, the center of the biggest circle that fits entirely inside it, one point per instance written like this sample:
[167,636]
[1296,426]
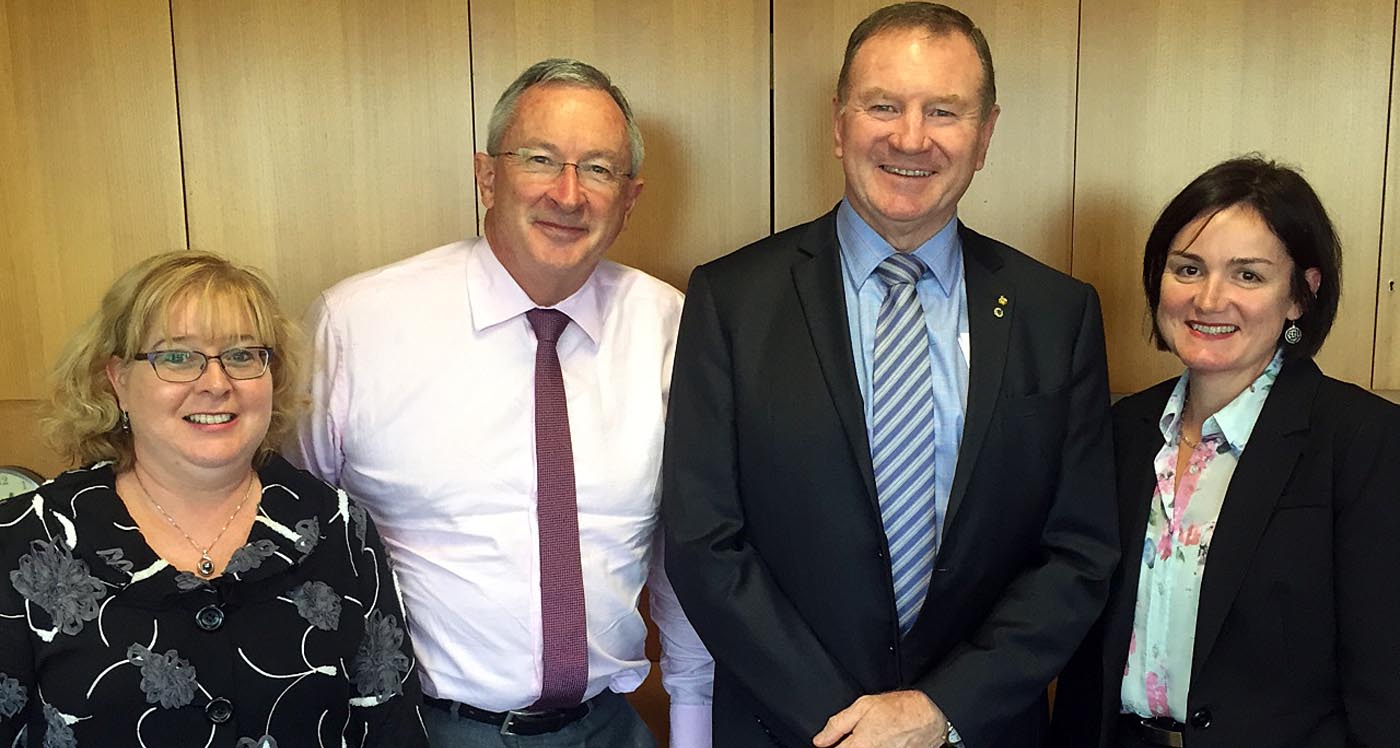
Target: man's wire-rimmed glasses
[594,172]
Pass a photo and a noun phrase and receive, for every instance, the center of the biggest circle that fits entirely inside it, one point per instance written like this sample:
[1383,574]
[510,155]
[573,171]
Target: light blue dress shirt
[943,296]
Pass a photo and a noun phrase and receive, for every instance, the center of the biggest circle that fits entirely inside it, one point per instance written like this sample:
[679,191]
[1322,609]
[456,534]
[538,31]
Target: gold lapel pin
[998,311]
[1002,301]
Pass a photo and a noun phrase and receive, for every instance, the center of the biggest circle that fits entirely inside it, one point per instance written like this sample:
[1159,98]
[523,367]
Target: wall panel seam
[1074,156]
[772,124]
[1381,286]
[471,118]
[179,124]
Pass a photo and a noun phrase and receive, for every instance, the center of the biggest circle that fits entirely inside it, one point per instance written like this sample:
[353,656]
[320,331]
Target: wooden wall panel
[90,158]
[1022,196]
[1168,89]
[1385,372]
[696,75]
[20,443]
[324,137]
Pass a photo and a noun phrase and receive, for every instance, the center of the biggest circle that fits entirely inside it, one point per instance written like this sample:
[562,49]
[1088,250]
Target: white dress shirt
[423,409]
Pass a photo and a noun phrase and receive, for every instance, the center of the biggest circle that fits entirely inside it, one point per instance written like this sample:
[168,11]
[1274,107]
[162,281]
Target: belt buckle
[508,724]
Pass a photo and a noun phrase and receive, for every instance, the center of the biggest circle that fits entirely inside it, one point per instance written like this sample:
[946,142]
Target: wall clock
[15,480]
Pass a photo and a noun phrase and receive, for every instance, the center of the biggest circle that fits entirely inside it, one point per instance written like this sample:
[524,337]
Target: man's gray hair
[570,73]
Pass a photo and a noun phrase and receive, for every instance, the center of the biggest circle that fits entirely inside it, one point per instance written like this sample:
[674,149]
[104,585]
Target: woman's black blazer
[1298,624]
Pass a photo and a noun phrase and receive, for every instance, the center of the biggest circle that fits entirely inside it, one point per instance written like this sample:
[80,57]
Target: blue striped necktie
[902,434]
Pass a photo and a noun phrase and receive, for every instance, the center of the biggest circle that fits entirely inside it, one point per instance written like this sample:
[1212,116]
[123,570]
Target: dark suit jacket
[775,544]
[1297,642]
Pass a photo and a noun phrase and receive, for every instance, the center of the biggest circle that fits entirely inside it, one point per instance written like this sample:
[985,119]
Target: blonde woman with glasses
[187,586]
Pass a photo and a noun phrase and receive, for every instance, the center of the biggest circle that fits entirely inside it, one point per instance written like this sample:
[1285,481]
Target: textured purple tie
[561,572]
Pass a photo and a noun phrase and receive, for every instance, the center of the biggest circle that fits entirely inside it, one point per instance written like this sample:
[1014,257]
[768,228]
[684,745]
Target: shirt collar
[495,297]
[1234,422]
[862,249]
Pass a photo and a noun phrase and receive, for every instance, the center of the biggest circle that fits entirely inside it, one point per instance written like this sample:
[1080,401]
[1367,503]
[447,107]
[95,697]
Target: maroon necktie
[561,572]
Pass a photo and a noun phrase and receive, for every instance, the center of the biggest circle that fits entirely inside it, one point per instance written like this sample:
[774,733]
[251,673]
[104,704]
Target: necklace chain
[206,564]
[1185,406]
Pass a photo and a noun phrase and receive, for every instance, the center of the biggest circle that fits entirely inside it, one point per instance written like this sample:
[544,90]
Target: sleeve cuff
[690,726]
[954,739]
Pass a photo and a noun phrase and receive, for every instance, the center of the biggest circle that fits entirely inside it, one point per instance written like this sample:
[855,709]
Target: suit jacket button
[891,647]
[1201,719]
[219,710]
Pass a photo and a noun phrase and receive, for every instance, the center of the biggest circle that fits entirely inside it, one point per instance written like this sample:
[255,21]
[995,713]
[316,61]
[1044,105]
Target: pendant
[206,565]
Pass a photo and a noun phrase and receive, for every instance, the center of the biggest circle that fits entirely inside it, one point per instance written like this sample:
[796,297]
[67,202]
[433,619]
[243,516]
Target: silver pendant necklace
[206,564]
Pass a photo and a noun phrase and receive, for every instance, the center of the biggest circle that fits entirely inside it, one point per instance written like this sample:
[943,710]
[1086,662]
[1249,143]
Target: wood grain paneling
[1385,371]
[324,137]
[696,75]
[1168,89]
[89,153]
[20,443]
[1022,196]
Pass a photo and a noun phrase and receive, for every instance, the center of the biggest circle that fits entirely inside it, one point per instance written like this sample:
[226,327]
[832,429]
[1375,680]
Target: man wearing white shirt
[491,393]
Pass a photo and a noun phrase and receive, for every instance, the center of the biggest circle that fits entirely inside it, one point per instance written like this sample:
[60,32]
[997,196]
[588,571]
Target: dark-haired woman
[1257,600]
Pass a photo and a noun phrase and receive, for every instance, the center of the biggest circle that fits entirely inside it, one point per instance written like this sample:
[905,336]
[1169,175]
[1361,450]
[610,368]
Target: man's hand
[899,719]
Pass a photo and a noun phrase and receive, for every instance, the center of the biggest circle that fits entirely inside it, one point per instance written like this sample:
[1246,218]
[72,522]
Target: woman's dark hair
[1291,210]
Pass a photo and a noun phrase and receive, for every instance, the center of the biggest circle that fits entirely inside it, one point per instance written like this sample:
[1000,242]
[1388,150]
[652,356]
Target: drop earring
[1293,334]
[126,423]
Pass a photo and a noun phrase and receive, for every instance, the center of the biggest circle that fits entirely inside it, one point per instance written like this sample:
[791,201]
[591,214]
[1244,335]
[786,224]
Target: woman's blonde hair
[84,417]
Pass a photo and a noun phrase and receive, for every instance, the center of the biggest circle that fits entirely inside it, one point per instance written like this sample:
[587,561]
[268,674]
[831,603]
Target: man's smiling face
[912,131]
[551,231]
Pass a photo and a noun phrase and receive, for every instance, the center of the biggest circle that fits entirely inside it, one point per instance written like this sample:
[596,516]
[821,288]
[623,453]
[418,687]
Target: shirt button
[219,710]
[209,618]
[1201,719]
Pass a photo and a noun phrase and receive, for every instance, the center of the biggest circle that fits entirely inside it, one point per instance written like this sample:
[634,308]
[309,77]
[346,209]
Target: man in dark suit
[887,474]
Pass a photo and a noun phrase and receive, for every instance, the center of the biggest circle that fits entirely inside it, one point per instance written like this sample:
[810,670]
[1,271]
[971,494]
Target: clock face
[16,480]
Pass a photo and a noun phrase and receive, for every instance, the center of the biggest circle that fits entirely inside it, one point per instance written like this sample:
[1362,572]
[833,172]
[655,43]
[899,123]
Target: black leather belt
[1154,730]
[516,721]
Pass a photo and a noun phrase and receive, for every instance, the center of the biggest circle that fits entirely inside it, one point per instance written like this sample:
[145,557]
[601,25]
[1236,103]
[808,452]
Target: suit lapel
[1263,471]
[821,293]
[989,334]
[1139,438]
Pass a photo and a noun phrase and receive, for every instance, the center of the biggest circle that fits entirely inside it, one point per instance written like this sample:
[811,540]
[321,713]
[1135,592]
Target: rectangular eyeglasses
[179,366]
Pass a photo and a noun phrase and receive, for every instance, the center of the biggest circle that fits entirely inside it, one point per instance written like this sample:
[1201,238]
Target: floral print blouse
[1180,524]
[300,643]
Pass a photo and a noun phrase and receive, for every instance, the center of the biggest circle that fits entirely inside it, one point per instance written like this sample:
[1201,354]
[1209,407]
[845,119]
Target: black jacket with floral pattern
[301,642]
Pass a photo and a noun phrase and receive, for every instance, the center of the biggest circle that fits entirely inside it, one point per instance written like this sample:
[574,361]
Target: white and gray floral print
[12,696]
[103,644]
[318,604]
[57,732]
[380,665]
[360,518]
[250,556]
[51,578]
[308,535]
[166,679]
